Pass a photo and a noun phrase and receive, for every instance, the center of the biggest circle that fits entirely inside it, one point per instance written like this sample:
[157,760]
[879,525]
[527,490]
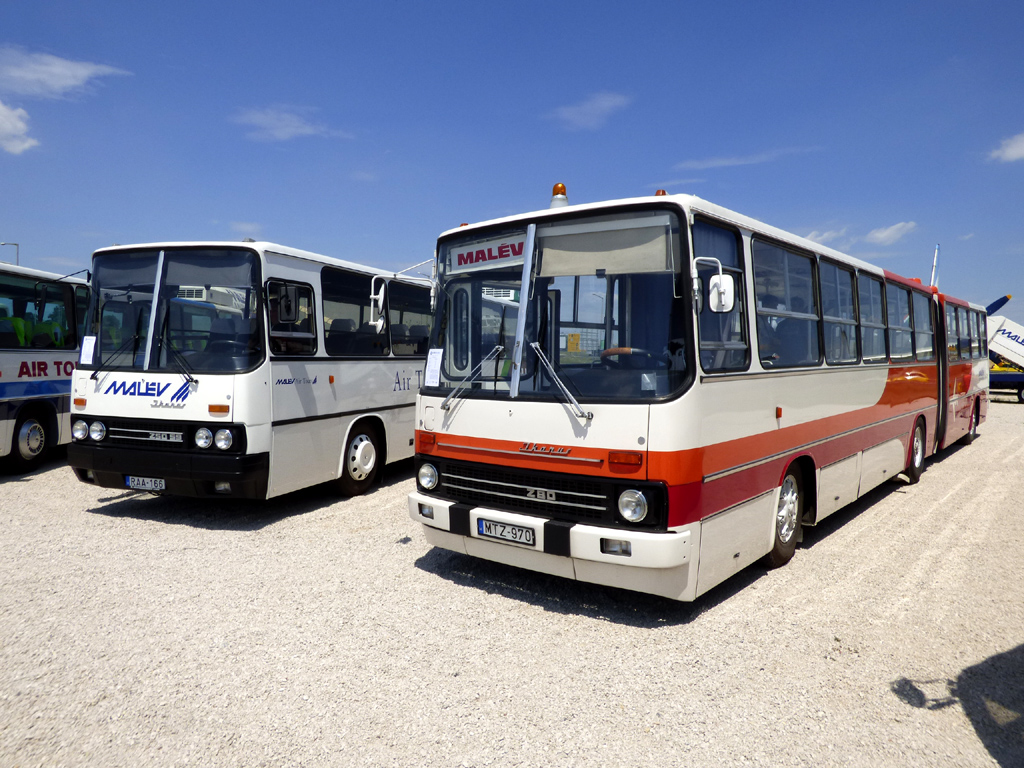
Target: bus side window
[975,341]
[965,334]
[983,335]
[81,308]
[291,338]
[839,312]
[347,328]
[897,301]
[723,336]
[872,319]
[952,342]
[787,307]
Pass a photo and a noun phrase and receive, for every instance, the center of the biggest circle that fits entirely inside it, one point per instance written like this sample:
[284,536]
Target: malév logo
[151,389]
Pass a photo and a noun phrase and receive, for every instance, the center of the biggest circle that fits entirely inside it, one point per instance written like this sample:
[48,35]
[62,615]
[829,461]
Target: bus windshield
[206,310]
[605,308]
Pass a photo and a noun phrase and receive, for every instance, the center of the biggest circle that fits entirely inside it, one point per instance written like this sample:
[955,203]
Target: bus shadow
[233,514]
[578,598]
[56,458]
[992,696]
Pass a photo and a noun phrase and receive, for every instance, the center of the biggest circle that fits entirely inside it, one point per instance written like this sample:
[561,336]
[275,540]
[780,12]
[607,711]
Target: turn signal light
[79,402]
[626,458]
[425,441]
[219,409]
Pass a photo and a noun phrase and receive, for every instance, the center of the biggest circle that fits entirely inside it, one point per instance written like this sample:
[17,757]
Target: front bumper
[659,562]
[184,474]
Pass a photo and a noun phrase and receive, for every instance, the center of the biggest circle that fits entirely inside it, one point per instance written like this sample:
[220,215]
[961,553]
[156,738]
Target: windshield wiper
[180,362]
[554,377]
[104,364]
[498,349]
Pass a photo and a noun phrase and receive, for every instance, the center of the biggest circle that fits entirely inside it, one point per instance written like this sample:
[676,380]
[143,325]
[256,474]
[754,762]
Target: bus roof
[262,247]
[692,205]
[15,269]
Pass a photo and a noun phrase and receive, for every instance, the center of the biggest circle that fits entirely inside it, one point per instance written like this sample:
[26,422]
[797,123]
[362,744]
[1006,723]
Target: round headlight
[204,437]
[223,439]
[427,476]
[80,430]
[632,506]
[97,431]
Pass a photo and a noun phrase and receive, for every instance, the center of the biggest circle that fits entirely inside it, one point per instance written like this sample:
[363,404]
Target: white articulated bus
[669,390]
[244,369]
[40,324]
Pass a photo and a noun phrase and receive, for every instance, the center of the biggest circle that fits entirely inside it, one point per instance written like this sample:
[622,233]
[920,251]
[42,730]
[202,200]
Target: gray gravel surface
[313,630]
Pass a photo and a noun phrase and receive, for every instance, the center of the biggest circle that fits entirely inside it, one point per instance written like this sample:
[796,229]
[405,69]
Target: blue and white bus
[41,315]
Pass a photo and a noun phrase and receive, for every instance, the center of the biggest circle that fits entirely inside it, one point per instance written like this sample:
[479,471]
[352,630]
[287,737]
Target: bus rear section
[40,327]
[654,394]
[244,370]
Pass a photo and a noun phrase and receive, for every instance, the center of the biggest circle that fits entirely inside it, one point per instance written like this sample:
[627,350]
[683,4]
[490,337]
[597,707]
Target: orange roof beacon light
[558,197]
[660,193]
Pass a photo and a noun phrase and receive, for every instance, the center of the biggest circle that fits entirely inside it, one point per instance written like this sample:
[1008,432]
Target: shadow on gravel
[578,598]
[233,514]
[56,458]
[992,696]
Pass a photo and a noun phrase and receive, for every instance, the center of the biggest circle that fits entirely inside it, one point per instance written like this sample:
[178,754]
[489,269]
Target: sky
[363,131]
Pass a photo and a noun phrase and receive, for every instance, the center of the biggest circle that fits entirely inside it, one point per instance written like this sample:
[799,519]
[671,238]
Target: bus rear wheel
[916,465]
[361,460]
[972,432]
[788,514]
[29,443]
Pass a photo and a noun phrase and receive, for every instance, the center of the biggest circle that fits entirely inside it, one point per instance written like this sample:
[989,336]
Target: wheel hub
[785,517]
[31,439]
[361,457]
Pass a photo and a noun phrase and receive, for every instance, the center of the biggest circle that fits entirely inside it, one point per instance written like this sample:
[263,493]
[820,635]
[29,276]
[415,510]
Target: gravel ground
[313,630]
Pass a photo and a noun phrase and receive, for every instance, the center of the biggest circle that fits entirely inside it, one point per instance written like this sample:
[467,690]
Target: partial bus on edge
[655,393]
[40,328]
[244,370]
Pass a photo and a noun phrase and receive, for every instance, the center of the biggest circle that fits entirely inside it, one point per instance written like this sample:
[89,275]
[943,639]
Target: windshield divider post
[153,310]
[524,303]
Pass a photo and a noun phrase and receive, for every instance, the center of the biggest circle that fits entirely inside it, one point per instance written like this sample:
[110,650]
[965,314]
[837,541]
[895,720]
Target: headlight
[632,506]
[222,439]
[97,431]
[80,430]
[204,437]
[427,476]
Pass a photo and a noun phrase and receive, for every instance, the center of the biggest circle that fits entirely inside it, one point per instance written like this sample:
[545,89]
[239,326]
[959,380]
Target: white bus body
[260,372]
[632,425]
[39,340]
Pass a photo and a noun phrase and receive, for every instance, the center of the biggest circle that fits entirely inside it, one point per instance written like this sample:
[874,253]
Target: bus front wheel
[361,460]
[29,442]
[788,514]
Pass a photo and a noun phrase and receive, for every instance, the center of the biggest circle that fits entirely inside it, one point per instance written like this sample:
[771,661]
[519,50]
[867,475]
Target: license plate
[146,483]
[506,532]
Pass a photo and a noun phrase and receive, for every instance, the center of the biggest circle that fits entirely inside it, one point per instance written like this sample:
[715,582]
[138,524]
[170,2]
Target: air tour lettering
[35,369]
[503,251]
[403,383]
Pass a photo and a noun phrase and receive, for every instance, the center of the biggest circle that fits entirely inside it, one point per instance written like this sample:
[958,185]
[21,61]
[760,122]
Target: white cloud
[827,236]
[247,229]
[363,176]
[1011,149]
[46,76]
[14,136]
[591,114]
[676,183]
[966,237]
[284,123]
[889,235]
[727,162]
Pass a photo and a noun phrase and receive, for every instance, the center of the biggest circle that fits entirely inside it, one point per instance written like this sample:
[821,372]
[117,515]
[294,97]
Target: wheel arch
[376,422]
[805,466]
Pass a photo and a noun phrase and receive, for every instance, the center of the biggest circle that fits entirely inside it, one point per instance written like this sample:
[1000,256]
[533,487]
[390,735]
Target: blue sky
[363,131]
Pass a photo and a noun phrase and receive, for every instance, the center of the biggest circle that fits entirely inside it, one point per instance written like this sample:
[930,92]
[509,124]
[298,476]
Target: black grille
[552,495]
[152,434]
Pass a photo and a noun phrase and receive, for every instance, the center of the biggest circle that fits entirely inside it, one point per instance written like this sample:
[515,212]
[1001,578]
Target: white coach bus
[669,391]
[40,324]
[244,370]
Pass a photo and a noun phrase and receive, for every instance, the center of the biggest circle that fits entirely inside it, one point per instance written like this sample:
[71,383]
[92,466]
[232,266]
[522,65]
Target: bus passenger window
[839,313]
[409,318]
[291,338]
[900,335]
[872,319]
[787,307]
[924,334]
[952,342]
[347,328]
[965,334]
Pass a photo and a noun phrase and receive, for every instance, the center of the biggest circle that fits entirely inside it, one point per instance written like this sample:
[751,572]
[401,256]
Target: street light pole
[17,251]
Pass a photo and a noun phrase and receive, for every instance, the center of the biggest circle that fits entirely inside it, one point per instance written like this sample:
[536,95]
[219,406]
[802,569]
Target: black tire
[361,460]
[972,432]
[29,442]
[788,516]
[915,466]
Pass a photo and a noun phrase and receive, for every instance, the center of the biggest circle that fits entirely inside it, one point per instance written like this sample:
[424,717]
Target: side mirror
[721,293]
[287,304]
[377,304]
